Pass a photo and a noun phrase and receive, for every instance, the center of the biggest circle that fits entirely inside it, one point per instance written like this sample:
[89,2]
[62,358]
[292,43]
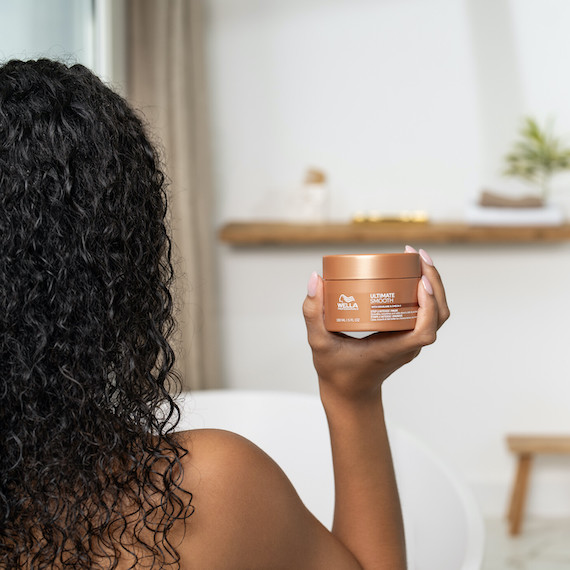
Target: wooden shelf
[289,234]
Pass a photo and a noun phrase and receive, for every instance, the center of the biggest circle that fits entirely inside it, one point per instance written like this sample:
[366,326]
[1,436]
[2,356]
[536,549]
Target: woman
[92,474]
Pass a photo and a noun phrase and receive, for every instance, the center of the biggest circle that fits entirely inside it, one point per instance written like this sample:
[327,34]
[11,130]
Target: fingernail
[427,285]
[313,283]
[426,257]
[410,249]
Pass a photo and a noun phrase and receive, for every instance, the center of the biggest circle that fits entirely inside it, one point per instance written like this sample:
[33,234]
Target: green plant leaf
[537,155]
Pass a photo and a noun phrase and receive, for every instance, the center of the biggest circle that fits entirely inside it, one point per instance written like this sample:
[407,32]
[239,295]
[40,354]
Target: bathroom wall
[405,105]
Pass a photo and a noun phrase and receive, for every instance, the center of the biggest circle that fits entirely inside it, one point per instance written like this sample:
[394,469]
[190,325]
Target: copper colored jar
[371,292]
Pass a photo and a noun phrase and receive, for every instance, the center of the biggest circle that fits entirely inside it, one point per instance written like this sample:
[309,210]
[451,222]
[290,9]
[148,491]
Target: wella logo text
[347,303]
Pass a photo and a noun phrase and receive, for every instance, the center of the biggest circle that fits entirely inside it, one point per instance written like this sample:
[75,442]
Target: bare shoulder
[215,452]
[247,513]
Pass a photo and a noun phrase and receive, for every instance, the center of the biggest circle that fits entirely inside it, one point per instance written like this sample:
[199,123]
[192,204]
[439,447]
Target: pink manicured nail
[410,249]
[313,283]
[426,257]
[427,285]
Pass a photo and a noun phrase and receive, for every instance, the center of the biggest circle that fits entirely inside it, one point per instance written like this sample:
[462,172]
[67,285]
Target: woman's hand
[355,368]
[368,518]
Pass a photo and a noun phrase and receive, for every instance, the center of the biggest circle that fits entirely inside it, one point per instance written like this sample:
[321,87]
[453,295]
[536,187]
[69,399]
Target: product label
[382,298]
[370,305]
[383,307]
[348,320]
[397,313]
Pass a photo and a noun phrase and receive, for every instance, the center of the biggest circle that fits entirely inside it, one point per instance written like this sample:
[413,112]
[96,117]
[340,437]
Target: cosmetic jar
[371,292]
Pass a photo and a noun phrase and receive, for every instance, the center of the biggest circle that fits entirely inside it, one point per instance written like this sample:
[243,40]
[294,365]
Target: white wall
[405,104]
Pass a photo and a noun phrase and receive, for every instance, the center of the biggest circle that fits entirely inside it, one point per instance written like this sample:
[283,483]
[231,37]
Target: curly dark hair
[90,469]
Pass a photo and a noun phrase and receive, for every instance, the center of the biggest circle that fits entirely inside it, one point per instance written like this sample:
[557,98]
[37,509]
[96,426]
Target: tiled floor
[542,545]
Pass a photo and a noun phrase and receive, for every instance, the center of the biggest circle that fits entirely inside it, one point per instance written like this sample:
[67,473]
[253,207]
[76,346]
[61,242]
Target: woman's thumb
[313,305]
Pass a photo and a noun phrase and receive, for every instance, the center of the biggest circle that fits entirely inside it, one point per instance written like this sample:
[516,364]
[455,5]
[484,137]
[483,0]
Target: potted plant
[537,155]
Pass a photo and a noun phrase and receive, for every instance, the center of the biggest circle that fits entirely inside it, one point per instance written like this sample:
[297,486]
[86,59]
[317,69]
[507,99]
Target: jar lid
[372,266]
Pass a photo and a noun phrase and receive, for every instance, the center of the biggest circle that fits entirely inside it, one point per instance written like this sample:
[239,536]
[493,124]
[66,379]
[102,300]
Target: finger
[429,270]
[427,322]
[313,309]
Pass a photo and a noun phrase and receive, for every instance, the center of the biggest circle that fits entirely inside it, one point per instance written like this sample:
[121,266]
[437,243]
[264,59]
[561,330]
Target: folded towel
[486,216]
[489,199]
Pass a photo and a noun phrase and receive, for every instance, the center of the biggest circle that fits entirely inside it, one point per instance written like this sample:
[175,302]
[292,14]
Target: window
[69,30]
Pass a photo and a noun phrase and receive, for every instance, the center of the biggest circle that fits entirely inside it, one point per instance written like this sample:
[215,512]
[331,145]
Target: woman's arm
[247,513]
[368,518]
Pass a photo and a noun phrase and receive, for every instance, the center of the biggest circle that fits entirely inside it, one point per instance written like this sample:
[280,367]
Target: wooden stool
[525,447]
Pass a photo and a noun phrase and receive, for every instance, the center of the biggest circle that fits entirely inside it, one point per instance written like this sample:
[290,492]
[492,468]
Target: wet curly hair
[90,469]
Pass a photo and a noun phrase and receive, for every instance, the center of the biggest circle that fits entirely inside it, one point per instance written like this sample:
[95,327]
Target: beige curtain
[166,81]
